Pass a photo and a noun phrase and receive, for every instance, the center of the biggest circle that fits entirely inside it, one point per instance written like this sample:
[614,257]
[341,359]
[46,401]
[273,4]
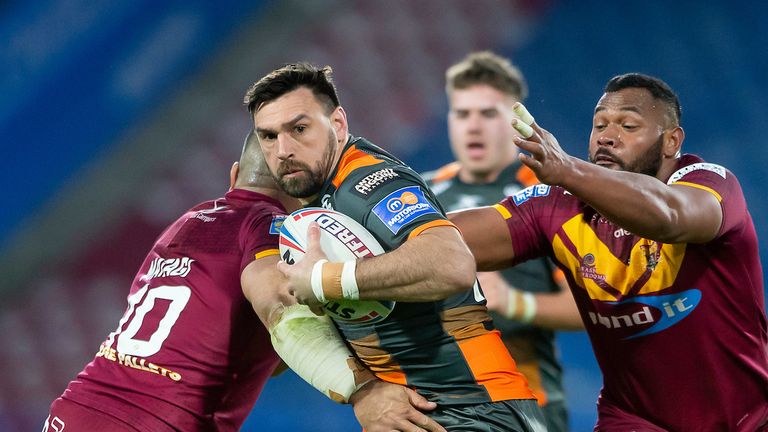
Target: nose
[284,147]
[474,123]
[610,136]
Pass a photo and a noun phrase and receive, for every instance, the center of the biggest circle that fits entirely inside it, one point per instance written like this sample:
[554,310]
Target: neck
[290,203]
[668,166]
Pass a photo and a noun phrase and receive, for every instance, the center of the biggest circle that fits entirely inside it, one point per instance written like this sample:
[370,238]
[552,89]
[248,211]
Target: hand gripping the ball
[299,275]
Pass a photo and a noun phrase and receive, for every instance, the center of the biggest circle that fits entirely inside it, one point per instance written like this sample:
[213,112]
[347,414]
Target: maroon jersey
[190,353]
[679,330]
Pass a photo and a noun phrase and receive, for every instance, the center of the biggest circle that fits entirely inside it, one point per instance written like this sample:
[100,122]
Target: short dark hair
[658,89]
[289,78]
[485,67]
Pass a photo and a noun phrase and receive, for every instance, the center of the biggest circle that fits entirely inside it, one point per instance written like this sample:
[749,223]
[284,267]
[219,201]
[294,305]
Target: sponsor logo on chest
[644,315]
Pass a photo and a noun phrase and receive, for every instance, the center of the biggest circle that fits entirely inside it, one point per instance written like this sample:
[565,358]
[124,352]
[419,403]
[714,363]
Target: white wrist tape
[311,346]
[316,280]
[521,306]
[349,288]
[529,307]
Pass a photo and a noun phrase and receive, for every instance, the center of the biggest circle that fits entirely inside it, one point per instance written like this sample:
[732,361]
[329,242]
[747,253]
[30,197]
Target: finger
[524,129]
[313,237]
[534,148]
[284,267]
[431,425]
[522,113]
[419,401]
[530,162]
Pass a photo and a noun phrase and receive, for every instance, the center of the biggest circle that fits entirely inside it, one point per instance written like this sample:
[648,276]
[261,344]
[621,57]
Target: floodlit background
[116,116]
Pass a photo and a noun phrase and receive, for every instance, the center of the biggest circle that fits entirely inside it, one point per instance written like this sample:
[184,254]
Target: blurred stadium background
[117,115]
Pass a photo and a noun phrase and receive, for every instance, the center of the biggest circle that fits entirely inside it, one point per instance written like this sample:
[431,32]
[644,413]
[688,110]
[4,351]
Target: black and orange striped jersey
[532,347]
[679,330]
[447,350]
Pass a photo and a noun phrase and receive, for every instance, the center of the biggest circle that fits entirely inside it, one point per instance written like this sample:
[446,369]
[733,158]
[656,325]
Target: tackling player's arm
[486,234]
[310,345]
[552,310]
[640,203]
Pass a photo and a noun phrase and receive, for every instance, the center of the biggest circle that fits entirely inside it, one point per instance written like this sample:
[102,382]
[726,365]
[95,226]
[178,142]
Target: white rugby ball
[341,239]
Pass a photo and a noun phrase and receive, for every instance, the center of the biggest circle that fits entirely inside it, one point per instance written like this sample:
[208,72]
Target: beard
[311,180]
[648,163]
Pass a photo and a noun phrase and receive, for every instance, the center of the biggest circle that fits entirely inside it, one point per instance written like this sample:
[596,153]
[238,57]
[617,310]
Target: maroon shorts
[80,418]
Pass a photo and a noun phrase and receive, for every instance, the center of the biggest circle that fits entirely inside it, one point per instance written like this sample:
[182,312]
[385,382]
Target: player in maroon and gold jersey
[190,354]
[661,255]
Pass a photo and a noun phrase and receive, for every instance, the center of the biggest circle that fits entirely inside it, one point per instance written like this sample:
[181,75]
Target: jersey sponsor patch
[645,315]
[370,182]
[277,222]
[677,175]
[524,195]
[402,206]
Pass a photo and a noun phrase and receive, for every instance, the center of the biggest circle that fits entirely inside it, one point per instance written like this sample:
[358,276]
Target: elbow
[460,272]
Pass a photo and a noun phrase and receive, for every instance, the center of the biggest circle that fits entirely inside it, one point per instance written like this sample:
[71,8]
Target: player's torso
[174,348]
[533,348]
[433,346]
[669,313]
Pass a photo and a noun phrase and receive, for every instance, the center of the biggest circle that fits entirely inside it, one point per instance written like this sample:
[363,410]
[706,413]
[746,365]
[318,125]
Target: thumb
[283,267]
[313,239]
[418,401]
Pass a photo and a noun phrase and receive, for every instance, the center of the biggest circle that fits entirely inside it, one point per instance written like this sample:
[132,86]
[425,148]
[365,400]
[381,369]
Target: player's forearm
[639,203]
[429,267]
[557,311]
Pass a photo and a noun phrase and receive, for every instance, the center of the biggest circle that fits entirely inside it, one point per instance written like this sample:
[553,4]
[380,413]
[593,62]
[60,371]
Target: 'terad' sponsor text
[350,240]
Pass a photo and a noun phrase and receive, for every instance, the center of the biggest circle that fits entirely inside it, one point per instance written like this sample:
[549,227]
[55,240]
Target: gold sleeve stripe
[266,253]
[435,223]
[698,186]
[503,210]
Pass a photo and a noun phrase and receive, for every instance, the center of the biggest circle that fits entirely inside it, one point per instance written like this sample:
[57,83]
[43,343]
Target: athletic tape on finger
[525,130]
[523,114]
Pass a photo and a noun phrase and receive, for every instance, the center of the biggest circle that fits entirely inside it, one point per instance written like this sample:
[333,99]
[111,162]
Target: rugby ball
[341,239]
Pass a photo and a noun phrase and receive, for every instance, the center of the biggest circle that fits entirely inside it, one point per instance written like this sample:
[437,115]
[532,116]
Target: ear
[339,124]
[673,142]
[233,172]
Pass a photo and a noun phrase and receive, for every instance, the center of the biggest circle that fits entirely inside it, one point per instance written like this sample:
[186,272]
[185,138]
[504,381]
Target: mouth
[476,150]
[290,170]
[605,159]
[291,173]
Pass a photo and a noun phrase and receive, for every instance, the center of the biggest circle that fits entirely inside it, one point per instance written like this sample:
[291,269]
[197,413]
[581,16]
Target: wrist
[521,305]
[334,280]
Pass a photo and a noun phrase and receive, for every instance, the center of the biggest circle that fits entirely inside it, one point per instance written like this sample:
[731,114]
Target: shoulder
[539,193]
[442,174]
[692,164]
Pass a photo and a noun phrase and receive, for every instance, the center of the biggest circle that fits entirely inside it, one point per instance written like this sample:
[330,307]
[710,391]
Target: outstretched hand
[299,275]
[545,157]
[383,406]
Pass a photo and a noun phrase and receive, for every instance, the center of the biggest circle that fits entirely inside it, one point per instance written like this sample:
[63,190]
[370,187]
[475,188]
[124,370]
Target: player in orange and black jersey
[439,338]
[529,301]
